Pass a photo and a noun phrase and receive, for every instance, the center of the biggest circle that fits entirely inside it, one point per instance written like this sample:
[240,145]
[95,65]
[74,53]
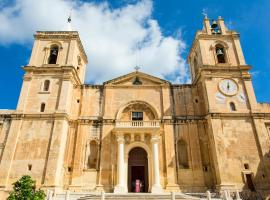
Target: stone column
[156,187]
[120,187]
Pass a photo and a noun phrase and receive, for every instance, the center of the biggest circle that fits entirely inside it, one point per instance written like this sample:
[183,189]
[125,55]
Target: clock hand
[228,86]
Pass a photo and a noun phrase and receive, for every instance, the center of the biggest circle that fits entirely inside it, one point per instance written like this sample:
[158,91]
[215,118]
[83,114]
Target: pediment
[136,79]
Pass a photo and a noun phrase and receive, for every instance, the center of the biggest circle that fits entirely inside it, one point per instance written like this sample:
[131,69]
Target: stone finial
[221,25]
[207,26]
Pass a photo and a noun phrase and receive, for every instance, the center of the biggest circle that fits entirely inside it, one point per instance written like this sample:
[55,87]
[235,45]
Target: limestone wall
[31,150]
[238,151]
[197,175]
[4,129]
[188,101]
[264,107]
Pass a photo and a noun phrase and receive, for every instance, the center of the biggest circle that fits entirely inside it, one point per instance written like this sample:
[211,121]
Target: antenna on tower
[69,21]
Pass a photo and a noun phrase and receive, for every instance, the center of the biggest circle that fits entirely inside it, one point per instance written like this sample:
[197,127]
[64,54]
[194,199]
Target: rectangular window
[137,116]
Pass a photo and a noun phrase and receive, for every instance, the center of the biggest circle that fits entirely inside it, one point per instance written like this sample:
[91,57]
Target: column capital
[120,139]
[154,139]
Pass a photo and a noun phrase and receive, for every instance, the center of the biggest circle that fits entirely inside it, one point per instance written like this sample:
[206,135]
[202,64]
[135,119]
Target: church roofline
[135,73]
[98,86]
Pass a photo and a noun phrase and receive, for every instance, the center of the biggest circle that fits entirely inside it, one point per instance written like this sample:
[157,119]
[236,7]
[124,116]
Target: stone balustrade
[138,124]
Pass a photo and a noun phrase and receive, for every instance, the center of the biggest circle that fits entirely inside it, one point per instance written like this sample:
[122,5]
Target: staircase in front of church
[139,196]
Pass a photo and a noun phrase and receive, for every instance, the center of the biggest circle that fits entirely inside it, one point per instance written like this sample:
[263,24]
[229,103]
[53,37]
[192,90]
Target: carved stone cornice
[38,116]
[92,86]
[238,115]
[3,117]
[182,86]
[67,72]
[221,67]
[210,71]
[205,36]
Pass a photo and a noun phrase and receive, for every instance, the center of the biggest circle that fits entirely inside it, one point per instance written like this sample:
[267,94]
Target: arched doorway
[137,169]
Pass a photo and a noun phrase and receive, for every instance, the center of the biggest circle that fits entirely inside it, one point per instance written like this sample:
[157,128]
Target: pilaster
[170,150]
[54,167]
[9,152]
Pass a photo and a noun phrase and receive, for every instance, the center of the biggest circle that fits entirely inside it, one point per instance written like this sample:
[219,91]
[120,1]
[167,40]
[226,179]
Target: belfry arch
[150,111]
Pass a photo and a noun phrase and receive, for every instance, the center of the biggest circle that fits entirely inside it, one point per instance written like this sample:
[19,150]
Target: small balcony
[137,124]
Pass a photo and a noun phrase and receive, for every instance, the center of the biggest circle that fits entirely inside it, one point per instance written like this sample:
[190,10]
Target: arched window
[42,107]
[92,157]
[232,106]
[53,55]
[220,53]
[46,85]
[182,154]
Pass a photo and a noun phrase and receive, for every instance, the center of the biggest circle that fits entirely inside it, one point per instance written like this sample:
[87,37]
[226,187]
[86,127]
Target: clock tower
[217,61]
[221,75]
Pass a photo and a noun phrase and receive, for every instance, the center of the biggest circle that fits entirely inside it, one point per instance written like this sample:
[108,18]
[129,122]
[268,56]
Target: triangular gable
[136,78]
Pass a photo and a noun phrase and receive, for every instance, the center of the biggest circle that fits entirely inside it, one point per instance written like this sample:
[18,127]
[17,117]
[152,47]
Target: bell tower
[57,49]
[49,98]
[223,82]
[216,60]
[57,63]
[215,46]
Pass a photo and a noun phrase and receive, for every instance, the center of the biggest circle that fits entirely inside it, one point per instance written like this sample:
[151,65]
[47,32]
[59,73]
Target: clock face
[228,87]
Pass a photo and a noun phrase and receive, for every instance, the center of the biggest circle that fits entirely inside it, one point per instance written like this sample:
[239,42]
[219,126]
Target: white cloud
[115,40]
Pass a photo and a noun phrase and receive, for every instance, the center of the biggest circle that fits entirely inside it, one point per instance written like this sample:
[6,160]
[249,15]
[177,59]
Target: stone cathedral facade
[208,135]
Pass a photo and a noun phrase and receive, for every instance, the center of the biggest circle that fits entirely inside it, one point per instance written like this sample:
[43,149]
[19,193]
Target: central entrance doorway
[137,170]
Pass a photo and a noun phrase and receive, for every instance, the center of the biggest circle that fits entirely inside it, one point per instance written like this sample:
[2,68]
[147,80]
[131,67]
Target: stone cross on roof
[137,68]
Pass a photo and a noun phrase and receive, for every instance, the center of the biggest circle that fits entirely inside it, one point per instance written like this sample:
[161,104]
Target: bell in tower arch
[53,55]
[220,55]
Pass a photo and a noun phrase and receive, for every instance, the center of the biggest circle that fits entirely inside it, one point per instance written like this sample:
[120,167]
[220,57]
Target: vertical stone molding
[156,187]
[120,187]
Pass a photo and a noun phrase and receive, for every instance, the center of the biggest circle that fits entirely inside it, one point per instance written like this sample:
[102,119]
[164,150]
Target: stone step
[110,196]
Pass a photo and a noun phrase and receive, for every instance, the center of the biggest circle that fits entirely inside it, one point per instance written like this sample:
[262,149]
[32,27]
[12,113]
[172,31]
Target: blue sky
[170,24]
